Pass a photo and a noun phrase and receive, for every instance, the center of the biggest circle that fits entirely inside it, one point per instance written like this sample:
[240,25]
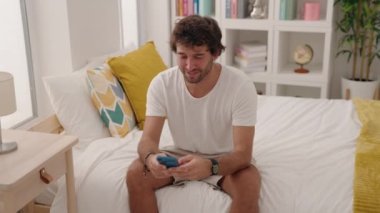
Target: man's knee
[250,174]
[135,172]
[244,181]
[138,179]
[249,178]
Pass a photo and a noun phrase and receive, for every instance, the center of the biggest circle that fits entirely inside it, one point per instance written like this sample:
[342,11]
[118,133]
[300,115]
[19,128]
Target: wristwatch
[214,166]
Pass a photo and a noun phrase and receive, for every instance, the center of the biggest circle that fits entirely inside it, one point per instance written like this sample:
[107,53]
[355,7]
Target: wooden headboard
[48,124]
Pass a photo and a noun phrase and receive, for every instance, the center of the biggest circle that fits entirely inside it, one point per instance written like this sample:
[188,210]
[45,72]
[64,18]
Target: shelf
[267,6]
[258,24]
[298,91]
[255,76]
[287,41]
[259,76]
[325,12]
[282,37]
[315,73]
[315,25]
[182,8]
[234,37]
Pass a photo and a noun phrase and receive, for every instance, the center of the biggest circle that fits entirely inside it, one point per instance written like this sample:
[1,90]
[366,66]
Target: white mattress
[304,150]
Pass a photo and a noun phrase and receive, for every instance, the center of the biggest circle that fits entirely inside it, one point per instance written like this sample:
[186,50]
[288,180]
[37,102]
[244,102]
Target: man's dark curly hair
[197,30]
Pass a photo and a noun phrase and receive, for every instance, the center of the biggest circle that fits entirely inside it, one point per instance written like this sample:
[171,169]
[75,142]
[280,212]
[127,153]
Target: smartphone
[168,161]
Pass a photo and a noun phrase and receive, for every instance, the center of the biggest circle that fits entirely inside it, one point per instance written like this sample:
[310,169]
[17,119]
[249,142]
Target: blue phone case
[168,161]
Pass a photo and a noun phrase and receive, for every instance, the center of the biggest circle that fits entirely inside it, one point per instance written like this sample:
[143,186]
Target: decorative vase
[259,10]
[288,9]
[360,89]
[311,11]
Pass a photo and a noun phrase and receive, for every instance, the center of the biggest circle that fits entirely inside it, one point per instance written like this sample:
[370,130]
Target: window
[129,16]
[15,59]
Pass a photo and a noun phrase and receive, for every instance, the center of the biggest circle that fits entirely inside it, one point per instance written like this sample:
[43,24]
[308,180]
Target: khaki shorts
[212,180]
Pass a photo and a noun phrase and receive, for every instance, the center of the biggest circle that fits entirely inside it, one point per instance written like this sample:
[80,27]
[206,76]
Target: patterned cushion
[109,98]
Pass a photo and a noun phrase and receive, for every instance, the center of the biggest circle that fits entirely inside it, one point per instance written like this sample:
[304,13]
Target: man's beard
[202,73]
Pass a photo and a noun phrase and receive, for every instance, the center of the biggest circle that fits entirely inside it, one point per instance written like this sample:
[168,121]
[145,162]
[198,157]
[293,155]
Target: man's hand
[191,167]
[158,170]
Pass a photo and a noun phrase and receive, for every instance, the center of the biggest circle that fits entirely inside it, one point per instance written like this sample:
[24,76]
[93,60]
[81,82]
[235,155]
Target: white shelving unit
[282,37]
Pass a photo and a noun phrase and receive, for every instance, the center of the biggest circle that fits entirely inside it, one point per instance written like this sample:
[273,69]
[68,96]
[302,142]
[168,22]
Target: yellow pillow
[135,71]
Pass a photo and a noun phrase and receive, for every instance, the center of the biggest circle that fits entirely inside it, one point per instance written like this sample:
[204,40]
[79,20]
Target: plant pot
[360,89]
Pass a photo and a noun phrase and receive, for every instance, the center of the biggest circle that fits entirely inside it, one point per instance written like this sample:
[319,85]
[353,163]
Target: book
[283,10]
[180,7]
[233,8]
[288,9]
[242,8]
[291,9]
[206,7]
[250,54]
[190,7]
[250,60]
[196,6]
[253,46]
[228,8]
[255,69]
[252,63]
[185,8]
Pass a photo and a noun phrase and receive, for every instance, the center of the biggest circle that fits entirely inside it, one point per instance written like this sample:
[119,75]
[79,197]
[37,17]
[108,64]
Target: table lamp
[7,106]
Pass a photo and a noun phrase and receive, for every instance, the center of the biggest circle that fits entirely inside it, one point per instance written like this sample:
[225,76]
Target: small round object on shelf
[303,54]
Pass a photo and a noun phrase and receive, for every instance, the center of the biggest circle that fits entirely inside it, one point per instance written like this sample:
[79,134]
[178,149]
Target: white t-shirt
[203,125]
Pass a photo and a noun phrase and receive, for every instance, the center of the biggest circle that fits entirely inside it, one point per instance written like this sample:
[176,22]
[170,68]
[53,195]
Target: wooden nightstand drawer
[20,180]
[32,185]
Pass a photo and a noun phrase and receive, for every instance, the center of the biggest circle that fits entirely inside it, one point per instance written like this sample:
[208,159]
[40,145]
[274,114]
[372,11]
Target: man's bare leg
[244,189]
[141,188]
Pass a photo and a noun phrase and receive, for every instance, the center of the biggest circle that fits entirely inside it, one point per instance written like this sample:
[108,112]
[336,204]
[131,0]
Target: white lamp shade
[7,94]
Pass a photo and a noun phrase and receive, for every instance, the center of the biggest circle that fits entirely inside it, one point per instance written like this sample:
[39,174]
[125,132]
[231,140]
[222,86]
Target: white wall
[65,33]
[130,22]
[94,27]
[50,43]
[155,25]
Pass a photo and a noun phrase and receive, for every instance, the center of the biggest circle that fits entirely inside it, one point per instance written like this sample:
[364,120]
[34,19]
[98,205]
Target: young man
[211,113]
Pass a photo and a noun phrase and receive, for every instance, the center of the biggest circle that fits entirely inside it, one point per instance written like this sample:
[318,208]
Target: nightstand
[40,159]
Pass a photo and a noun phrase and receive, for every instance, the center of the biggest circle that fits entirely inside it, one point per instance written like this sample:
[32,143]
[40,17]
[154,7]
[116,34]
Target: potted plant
[360,42]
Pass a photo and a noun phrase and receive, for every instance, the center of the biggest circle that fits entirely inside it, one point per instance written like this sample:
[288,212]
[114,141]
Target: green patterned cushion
[109,98]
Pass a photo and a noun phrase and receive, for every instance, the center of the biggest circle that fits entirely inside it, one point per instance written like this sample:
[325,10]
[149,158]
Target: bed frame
[48,124]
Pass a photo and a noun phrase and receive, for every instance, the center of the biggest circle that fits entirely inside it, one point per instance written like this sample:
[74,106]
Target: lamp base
[7,147]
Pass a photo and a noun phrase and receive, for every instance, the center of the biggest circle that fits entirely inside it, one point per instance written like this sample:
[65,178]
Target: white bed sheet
[304,150]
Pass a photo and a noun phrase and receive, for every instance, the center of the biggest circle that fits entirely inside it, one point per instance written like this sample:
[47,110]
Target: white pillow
[99,60]
[71,101]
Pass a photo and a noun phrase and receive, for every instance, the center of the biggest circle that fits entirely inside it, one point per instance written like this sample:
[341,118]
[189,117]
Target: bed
[305,151]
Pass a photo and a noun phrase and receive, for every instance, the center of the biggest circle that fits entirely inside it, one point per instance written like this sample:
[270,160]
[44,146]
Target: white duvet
[304,150]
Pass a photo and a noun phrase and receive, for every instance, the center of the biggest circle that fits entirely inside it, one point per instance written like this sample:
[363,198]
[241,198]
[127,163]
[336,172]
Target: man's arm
[150,138]
[195,168]
[241,155]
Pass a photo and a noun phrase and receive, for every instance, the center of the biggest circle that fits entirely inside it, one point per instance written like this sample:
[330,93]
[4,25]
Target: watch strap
[214,166]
